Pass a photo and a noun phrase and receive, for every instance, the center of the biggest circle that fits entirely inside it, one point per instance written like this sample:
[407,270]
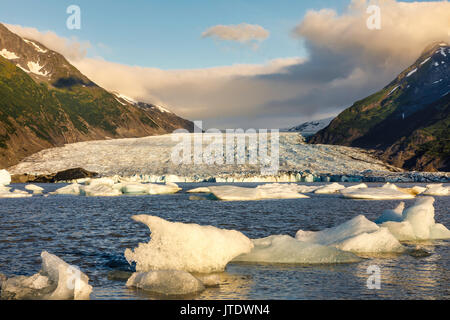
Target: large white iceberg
[57,280]
[5,177]
[285,249]
[187,247]
[166,282]
[357,235]
[262,192]
[418,223]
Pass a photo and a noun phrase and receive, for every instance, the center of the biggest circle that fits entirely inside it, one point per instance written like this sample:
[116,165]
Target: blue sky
[167,34]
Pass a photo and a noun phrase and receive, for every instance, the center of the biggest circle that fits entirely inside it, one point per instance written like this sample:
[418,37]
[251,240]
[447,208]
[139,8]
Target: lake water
[92,233]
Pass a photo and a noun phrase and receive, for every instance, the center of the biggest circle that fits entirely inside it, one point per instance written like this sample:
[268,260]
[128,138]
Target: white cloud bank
[243,32]
[346,62]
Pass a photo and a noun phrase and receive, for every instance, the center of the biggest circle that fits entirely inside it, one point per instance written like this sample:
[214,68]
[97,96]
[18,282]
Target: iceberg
[56,280]
[5,177]
[166,282]
[358,235]
[200,190]
[186,247]
[5,193]
[418,223]
[167,188]
[330,188]
[100,181]
[386,192]
[436,190]
[34,188]
[284,249]
[71,189]
[262,192]
[99,190]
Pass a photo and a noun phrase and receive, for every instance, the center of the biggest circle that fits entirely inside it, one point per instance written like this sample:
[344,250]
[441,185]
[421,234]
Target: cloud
[72,49]
[243,33]
[346,62]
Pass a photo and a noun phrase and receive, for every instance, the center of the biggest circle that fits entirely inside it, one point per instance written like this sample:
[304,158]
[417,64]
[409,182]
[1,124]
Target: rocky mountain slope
[47,102]
[407,123]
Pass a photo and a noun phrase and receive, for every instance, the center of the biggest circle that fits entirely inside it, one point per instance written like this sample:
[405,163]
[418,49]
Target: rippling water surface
[93,233]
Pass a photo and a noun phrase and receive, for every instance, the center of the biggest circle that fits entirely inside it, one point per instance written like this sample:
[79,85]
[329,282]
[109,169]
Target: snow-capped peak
[125,98]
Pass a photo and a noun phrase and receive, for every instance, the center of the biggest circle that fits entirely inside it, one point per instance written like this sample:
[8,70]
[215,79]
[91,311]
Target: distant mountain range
[45,102]
[407,123]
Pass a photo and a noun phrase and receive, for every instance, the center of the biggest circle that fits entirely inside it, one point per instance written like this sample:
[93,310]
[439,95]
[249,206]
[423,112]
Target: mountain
[407,123]
[311,127]
[47,102]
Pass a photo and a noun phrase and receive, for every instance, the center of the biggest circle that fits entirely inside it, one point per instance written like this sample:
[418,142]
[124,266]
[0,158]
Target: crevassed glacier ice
[357,235]
[5,177]
[187,247]
[418,223]
[284,249]
[262,192]
[57,280]
[166,282]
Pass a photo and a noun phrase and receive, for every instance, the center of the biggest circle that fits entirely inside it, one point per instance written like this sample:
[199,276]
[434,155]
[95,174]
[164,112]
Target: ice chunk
[288,250]
[73,189]
[307,189]
[134,188]
[99,190]
[167,188]
[330,188]
[392,214]
[357,186]
[5,177]
[356,235]
[200,190]
[100,181]
[166,282]
[436,190]
[5,193]
[263,192]
[387,192]
[418,223]
[34,188]
[188,247]
[379,241]
[57,280]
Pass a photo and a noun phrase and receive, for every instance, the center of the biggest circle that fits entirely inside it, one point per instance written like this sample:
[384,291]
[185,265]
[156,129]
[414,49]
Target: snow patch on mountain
[8,55]
[36,68]
[38,49]
[310,127]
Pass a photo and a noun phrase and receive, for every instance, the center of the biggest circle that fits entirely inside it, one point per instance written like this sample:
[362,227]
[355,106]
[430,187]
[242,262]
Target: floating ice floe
[5,177]
[99,190]
[34,188]
[330,188]
[5,193]
[262,192]
[57,280]
[418,223]
[356,235]
[200,190]
[166,282]
[187,247]
[71,189]
[285,249]
[386,192]
[436,190]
